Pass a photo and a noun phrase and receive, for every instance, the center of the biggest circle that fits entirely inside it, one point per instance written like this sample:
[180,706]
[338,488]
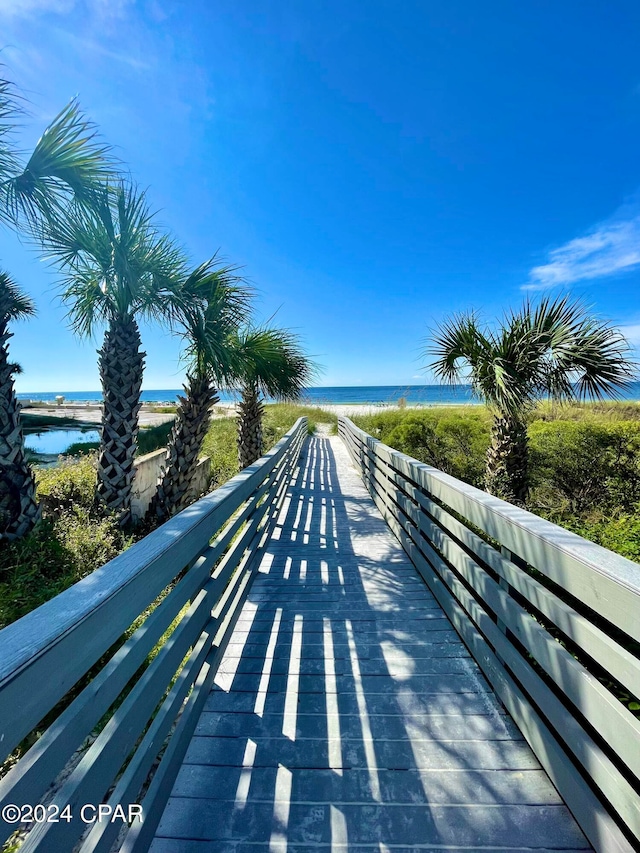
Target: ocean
[424,395]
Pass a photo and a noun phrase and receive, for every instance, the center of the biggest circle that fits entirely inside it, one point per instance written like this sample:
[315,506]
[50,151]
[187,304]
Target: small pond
[53,441]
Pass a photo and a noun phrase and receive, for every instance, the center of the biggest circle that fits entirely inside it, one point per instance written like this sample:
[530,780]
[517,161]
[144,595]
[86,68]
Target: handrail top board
[29,636]
[615,567]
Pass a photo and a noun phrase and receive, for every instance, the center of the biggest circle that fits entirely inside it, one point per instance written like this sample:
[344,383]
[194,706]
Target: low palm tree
[216,302]
[67,162]
[555,349]
[19,510]
[272,364]
[118,266]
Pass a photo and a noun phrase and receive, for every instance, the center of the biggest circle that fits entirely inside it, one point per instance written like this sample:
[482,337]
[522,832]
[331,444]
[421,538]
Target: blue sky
[373,166]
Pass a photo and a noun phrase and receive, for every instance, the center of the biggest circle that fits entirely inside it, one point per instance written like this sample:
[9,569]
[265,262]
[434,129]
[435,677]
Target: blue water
[414,394]
[53,441]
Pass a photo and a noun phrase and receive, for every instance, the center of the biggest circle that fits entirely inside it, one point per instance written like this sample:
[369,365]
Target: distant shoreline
[377,396]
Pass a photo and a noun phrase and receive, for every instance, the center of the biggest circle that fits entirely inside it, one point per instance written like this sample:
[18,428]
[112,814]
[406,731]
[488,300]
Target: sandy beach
[91,412]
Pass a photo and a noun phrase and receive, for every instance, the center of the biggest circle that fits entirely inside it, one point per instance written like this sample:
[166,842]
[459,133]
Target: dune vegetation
[584,460]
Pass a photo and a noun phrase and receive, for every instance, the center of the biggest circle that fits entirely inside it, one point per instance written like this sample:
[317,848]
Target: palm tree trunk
[176,490]
[250,413]
[121,365]
[507,471]
[19,510]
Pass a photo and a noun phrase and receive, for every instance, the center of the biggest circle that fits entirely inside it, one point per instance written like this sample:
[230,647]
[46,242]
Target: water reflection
[59,440]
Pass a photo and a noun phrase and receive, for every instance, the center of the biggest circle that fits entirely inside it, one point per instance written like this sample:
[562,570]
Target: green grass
[279,417]
[36,423]
[162,410]
[153,437]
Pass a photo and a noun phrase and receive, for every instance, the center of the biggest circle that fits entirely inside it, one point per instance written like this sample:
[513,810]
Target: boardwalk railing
[552,620]
[150,626]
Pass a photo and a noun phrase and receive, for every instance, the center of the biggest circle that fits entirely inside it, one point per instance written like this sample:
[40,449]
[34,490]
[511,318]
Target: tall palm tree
[19,510]
[554,349]
[216,302]
[271,364]
[67,162]
[117,266]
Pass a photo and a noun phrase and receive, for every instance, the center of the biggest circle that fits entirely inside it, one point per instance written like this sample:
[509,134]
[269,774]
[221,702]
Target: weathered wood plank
[340,672]
[64,637]
[401,488]
[47,651]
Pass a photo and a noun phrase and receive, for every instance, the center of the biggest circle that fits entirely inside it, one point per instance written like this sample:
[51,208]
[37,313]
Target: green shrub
[68,485]
[581,466]
[72,540]
[585,469]
[620,533]
[82,448]
[451,439]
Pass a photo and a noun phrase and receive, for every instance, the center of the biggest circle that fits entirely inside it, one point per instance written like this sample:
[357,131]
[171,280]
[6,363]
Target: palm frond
[69,159]
[14,303]
[458,347]
[273,361]
[215,301]
[115,260]
[10,110]
[555,348]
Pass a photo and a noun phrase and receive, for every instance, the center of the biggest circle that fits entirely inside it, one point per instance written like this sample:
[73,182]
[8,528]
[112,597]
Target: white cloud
[92,46]
[25,8]
[105,11]
[631,333]
[611,247]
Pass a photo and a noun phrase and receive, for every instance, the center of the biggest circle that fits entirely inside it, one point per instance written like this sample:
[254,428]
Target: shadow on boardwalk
[347,714]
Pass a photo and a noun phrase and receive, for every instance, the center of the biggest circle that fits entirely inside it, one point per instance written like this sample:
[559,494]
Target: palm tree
[216,302]
[554,349]
[272,363]
[66,162]
[118,266]
[19,510]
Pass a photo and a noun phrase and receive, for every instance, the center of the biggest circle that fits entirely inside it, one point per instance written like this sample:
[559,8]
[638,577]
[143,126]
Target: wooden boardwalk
[347,714]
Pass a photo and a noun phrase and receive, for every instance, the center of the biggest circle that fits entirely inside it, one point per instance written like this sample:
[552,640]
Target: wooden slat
[609,717]
[30,778]
[103,834]
[140,835]
[594,820]
[588,810]
[606,582]
[623,666]
[402,490]
[49,649]
[92,777]
[103,605]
